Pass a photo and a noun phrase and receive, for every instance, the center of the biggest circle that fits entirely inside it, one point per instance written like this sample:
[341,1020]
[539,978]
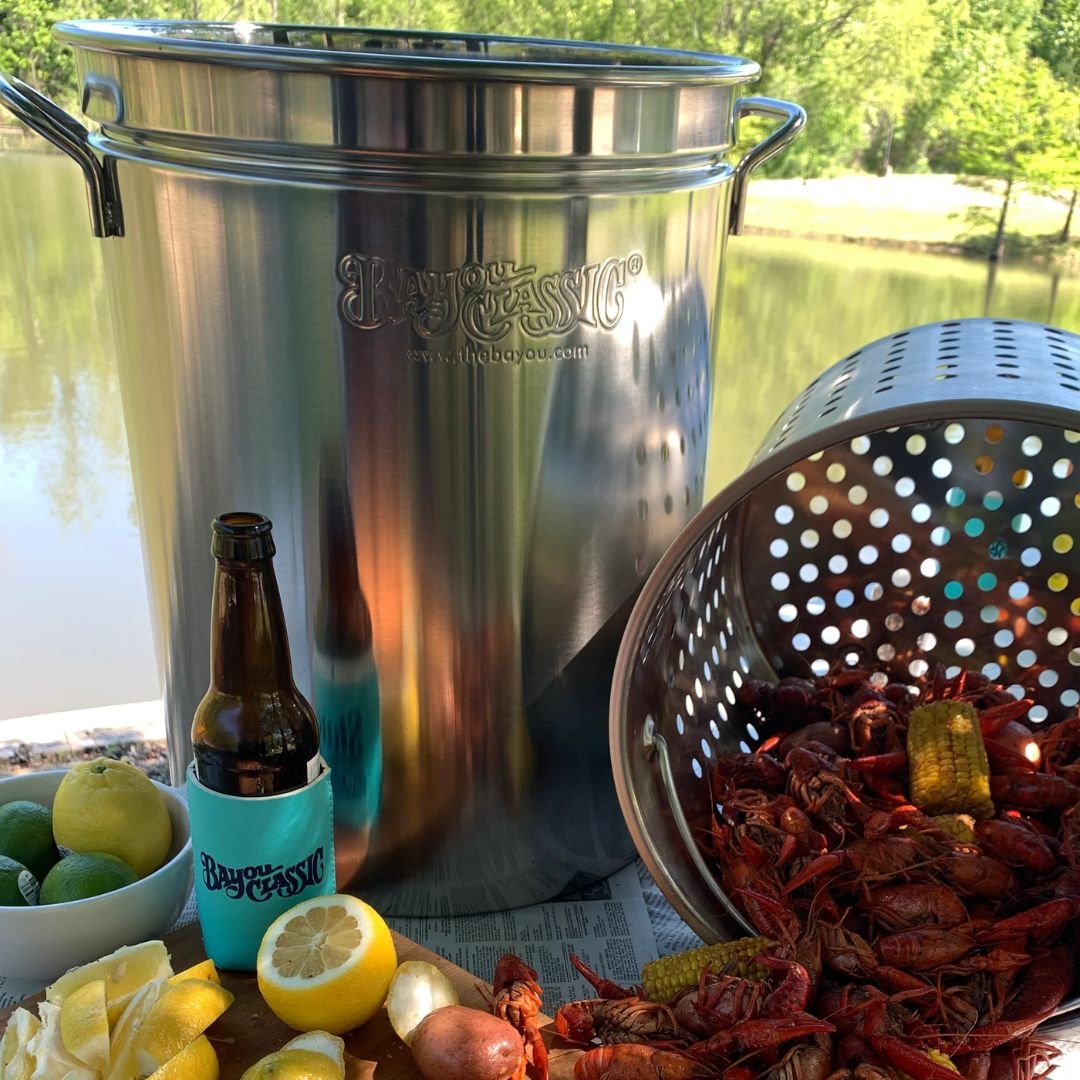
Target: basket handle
[794,117]
[656,744]
[66,133]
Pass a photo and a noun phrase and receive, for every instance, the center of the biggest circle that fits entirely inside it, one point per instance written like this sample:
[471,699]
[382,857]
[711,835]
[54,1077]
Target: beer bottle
[253,733]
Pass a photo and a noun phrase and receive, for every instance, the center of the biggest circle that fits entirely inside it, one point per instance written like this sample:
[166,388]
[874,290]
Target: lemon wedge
[122,1040]
[178,1017]
[123,972]
[416,989]
[205,969]
[197,1061]
[84,1025]
[51,1058]
[326,963]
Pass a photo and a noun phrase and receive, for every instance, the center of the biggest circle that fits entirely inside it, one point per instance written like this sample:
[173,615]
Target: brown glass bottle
[254,733]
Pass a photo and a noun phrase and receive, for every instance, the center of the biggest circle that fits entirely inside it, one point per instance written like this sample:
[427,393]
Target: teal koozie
[254,859]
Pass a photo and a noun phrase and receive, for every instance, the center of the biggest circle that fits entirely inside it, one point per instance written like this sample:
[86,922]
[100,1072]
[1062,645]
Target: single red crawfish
[1013,746]
[815,783]
[886,822]
[1043,987]
[639,1061]
[806,1061]
[717,1001]
[975,875]
[827,732]
[604,988]
[1060,745]
[518,998]
[1033,791]
[1038,922]
[619,1020]
[1026,1059]
[923,950]
[760,771]
[886,857]
[875,738]
[909,907]
[1016,844]
[771,916]
[897,1050]
[751,1036]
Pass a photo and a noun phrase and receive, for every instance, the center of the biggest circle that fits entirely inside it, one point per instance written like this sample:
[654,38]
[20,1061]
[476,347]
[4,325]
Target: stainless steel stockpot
[445,307]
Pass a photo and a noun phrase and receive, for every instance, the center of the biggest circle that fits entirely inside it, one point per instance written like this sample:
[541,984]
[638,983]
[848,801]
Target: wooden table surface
[373,1052]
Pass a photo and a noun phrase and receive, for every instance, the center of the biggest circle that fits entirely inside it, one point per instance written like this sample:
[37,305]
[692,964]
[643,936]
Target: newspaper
[606,925]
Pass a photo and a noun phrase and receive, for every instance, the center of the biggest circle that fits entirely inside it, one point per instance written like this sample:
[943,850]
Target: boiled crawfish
[518,997]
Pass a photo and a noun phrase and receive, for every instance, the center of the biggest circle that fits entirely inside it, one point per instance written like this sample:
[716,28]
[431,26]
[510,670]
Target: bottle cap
[242,535]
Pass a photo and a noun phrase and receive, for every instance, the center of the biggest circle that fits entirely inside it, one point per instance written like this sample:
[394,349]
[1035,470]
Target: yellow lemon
[111,806]
[416,989]
[178,1017]
[84,1025]
[322,1042]
[326,964]
[197,1061]
[123,972]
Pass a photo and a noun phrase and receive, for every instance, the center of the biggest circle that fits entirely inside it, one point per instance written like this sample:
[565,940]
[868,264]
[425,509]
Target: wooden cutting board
[249,1029]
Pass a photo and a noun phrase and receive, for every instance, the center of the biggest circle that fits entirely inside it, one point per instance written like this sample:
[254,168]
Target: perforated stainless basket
[917,504]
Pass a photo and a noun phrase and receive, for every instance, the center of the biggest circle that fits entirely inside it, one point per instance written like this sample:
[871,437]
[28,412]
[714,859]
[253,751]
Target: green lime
[83,875]
[26,836]
[18,887]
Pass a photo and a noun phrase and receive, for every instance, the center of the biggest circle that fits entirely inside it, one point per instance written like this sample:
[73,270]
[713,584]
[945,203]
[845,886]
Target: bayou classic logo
[487,300]
[259,883]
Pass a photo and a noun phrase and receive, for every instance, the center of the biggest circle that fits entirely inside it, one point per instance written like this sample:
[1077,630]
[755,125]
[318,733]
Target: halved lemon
[326,964]
[416,989]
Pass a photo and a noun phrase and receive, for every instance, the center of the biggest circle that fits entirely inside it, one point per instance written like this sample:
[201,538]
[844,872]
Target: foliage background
[968,86]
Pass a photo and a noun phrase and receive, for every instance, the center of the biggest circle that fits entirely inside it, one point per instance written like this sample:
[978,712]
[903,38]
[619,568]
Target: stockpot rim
[594,62]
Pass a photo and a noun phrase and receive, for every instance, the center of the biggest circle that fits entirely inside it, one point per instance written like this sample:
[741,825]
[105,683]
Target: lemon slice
[122,1041]
[51,1059]
[178,1017]
[84,1025]
[123,971]
[326,964]
[197,1061]
[416,989]
[206,969]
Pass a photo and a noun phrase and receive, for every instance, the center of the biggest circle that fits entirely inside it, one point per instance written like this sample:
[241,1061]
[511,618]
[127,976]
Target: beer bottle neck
[249,646]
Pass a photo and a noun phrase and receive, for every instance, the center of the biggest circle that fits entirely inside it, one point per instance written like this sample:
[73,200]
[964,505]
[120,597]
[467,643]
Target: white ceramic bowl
[40,943]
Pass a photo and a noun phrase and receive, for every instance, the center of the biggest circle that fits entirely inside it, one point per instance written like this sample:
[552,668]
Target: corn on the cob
[947,760]
[962,826]
[664,978]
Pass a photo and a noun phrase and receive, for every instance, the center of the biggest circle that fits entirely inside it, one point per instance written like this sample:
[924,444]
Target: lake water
[74,625]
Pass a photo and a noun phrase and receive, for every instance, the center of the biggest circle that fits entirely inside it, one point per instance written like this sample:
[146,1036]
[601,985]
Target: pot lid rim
[166,39]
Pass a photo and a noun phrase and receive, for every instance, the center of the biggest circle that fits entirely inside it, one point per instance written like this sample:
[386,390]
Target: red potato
[459,1043]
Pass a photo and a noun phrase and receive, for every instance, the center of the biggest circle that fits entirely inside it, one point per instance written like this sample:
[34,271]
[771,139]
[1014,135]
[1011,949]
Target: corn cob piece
[950,773]
[664,978]
[962,826]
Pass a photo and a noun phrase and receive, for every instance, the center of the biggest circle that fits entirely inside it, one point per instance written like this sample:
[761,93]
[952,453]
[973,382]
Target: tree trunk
[1064,238]
[998,249]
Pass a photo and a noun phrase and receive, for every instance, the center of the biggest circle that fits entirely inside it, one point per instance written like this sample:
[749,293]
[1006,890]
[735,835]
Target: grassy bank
[928,212]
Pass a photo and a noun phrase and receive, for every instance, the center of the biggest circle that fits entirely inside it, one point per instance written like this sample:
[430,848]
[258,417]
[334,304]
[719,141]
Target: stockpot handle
[794,117]
[65,132]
